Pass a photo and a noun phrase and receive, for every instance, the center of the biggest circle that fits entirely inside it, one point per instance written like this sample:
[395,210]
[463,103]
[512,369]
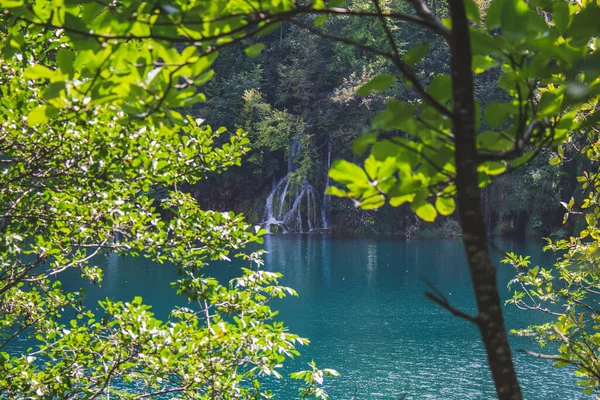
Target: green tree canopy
[138,60]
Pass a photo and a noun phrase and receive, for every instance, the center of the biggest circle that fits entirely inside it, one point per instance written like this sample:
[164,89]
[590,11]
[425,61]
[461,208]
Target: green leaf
[555,161]
[492,168]
[445,206]
[346,172]
[584,25]
[398,200]
[483,43]
[64,59]
[473,11]
[522,160]
[38,71]
[441,88]
[424,210]
[371,167]
[496,114]
[493,14]
[320,20]
[319,4]
[398,116]
[550,103]
[362,143]
[416,54]
[385,149]
[514,19]
[335,191]
[41,114]
[561,15]
[372,202]
[254,50]
[378,84]
[483,63]
[11,3]
[493,141]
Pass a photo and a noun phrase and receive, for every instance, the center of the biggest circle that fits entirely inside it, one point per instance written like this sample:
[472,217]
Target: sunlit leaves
[40,115]
[569,288]
[550,102]
[546,78]
[445,206]
[424,210]
[78,173]
[378,84]
[555,161]
[254,50]
[492,168]
[346,172]
[483,63]
[401,171]
[117,60]
[38,71]
[313,378]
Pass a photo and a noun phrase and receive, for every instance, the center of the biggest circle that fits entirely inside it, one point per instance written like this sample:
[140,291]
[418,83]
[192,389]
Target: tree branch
[438,297]
[433,22]
[547,357]
[401,66]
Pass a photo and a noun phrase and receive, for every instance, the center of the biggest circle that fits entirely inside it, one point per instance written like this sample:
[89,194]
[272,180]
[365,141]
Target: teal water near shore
[361,304]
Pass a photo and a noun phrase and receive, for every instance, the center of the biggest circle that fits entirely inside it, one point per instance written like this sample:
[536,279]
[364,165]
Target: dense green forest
[417,117]
[298,101]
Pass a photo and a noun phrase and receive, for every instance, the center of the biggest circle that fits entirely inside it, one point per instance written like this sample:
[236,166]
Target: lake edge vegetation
[97,149]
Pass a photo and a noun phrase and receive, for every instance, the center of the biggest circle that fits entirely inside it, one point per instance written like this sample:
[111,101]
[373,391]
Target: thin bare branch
[438,297]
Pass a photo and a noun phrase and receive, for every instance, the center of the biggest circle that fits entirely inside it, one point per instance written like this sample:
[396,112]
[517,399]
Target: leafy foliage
[568,292]
[102,82]
[88,134]
[545,89]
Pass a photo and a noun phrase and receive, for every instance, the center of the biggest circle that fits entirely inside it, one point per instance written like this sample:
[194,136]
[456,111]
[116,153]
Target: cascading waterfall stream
[294,205]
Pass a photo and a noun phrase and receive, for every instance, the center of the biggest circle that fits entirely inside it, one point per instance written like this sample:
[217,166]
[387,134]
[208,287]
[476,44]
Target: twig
[434,22]
[438,297]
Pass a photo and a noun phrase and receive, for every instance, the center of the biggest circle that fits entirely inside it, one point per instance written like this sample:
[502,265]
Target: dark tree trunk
[483,272]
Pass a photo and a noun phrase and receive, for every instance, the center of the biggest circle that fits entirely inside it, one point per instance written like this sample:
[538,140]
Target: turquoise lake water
[361,304]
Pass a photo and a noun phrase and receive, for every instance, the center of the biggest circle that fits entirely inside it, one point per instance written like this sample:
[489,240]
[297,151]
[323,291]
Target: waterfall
[294,205]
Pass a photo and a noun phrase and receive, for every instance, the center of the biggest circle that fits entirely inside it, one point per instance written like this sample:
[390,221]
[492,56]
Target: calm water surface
[361,304]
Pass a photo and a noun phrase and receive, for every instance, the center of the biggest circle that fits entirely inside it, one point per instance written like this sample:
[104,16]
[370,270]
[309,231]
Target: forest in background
[92,139]
[297,99]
